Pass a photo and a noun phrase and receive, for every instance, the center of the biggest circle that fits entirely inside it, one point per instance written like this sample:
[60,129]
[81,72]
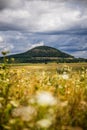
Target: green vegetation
[43,96]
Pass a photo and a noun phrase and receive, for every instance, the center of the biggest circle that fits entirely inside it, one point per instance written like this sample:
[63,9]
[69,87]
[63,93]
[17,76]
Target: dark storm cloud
[5,4]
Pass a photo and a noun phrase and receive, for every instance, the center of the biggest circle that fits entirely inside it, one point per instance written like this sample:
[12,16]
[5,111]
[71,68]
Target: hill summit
[46,51]
[41,54]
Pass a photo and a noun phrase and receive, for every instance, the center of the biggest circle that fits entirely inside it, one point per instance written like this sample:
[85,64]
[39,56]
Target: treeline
[43,60]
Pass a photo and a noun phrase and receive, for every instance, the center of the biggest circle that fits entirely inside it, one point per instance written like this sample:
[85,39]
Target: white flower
[26,113]
[65,76]
[44,123]
[45,99]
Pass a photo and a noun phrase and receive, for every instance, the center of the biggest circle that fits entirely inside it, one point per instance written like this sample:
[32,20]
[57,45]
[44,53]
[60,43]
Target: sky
[62,24]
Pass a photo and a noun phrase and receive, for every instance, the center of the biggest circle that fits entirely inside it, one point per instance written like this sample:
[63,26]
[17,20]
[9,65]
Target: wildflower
[64,104]
[26,113]
[44,123]
[12,121]
[65,76]
[60,86]
[68,91]
[45,99]
[14,103]
[43,73]
[32,100]
[83,105]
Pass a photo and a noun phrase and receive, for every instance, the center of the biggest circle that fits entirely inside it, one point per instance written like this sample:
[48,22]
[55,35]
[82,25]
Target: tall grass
[43,99]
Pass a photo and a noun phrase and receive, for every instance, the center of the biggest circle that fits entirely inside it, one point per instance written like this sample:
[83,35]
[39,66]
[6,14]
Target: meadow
[43,96]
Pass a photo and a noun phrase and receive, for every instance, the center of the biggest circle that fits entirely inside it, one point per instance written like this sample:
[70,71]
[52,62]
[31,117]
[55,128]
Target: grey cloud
[4,4]
[22,41]
[58,23]
[42,16]
[73,31]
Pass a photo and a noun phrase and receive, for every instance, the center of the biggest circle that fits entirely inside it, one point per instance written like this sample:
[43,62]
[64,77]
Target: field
[43,96]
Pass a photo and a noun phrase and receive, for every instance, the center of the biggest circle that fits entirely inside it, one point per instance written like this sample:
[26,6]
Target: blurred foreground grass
[43,97]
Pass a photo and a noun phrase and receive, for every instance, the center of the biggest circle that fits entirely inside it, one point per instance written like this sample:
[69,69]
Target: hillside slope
[40,54]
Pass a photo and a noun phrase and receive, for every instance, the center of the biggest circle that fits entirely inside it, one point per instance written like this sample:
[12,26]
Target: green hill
[42,54]
[45,51]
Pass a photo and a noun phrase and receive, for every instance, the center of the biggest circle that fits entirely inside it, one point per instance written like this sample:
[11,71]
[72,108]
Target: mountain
[42,54]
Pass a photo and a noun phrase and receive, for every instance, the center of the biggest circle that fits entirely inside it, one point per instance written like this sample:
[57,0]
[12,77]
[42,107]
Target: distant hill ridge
[42,54]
